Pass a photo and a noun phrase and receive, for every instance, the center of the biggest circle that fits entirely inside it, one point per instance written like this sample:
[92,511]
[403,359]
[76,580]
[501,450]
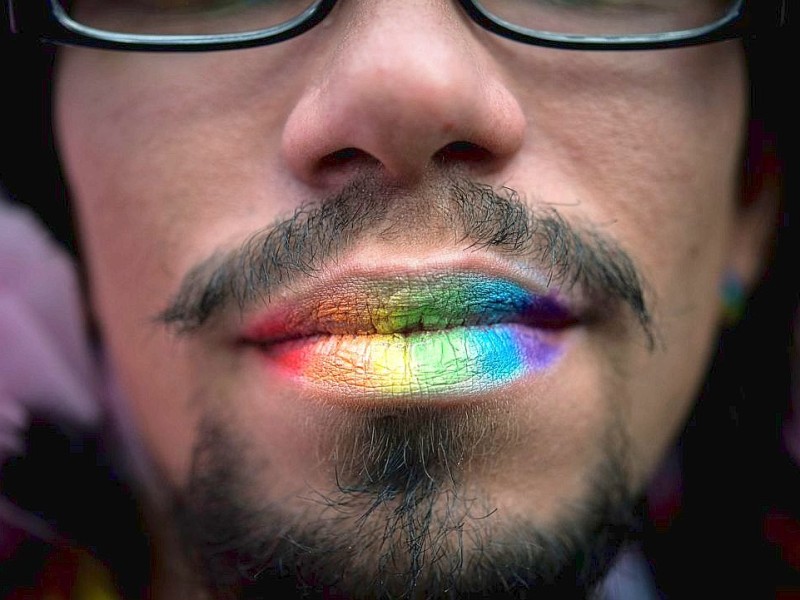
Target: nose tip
[402,99]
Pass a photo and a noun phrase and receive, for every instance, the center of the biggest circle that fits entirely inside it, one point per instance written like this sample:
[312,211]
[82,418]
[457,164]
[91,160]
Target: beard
[405,517]
[415,503]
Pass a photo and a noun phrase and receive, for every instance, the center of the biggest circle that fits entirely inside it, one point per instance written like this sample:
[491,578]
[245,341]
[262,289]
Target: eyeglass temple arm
[7,17]
[25,17]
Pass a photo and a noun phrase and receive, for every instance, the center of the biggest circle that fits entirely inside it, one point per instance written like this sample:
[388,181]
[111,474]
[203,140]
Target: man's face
[400,302]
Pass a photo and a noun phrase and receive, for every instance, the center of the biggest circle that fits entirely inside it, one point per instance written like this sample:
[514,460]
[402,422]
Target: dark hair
[735,468]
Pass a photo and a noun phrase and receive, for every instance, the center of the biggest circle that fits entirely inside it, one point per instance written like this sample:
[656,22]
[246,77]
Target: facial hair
[403,520]
[410,514]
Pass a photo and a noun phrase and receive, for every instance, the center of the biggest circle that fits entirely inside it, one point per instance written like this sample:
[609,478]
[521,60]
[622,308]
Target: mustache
[472,215]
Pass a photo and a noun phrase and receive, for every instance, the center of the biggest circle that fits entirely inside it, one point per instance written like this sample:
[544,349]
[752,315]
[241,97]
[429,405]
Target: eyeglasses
[201,25]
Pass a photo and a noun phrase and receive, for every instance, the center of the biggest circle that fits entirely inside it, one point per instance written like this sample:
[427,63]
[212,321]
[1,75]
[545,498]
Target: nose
[407,87]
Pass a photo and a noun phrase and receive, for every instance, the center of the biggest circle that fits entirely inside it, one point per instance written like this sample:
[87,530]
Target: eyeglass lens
[568,17]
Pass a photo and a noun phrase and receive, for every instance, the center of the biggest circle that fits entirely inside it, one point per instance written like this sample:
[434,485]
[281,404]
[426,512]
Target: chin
[414,500]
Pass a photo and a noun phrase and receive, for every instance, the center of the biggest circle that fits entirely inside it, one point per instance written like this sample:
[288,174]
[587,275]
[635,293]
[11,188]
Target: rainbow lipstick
[448,333]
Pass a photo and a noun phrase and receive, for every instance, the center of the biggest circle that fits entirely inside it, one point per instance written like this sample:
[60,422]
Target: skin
[171,157]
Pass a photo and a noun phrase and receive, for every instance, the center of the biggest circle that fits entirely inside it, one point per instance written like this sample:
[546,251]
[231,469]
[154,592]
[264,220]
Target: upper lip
[407,302]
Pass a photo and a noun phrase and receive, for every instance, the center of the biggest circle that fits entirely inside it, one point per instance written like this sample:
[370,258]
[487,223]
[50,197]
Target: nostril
[346,157]
[462,152]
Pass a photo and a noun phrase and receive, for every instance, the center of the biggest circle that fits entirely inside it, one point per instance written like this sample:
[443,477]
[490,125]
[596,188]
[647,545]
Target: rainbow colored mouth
[449,334]
[466,359]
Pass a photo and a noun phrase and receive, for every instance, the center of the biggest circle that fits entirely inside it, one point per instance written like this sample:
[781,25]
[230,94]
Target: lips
[416,336]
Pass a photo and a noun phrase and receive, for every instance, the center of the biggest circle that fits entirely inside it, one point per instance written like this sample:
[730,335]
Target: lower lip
[461,360]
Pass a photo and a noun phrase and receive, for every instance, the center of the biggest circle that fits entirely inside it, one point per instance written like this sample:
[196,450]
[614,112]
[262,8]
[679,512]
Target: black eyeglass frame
[47,21]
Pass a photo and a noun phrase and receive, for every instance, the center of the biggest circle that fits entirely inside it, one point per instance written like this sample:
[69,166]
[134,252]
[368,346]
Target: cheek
[647,148]
[167,162]
[161,175]
[182,145]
